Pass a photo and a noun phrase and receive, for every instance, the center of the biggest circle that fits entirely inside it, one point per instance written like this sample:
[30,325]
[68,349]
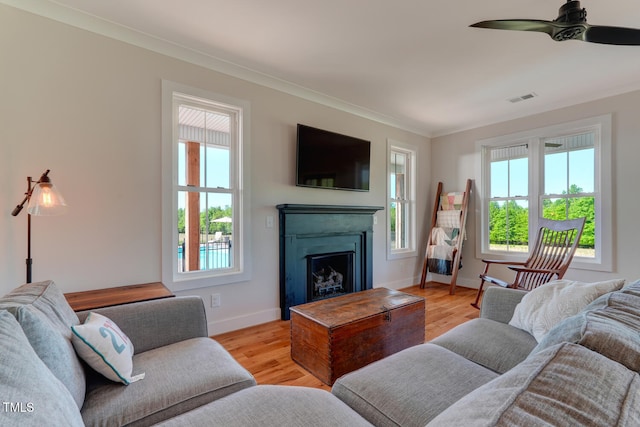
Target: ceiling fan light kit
[571,24]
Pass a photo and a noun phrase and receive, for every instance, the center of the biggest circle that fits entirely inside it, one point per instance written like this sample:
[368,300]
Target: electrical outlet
[215,300]
[269,221]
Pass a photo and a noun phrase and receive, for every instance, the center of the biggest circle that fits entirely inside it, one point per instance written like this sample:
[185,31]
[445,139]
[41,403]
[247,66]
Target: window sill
[401,254]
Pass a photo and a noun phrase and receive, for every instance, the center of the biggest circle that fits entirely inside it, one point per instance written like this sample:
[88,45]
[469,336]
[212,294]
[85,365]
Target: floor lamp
[43,199]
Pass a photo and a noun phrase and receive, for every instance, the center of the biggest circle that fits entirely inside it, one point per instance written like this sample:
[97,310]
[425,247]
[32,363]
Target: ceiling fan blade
[571,24]
[518,25]
[559,31]
[612,35]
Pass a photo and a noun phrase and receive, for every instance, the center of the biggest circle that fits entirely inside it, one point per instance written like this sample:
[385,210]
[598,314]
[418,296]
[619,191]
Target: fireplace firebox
[329,275]
[325,251]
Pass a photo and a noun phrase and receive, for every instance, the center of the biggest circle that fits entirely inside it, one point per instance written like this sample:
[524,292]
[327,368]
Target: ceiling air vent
[523,97]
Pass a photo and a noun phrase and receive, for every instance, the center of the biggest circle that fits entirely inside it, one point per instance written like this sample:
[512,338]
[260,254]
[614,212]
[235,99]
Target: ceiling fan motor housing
[571,13]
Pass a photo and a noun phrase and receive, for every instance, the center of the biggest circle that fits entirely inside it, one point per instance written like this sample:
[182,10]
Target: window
[401,191]
[205,213]
[509,198]
[559,172]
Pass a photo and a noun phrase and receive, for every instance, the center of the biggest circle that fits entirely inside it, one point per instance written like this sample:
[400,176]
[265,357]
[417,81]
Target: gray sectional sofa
[482,373]
[46,383]
[584,372]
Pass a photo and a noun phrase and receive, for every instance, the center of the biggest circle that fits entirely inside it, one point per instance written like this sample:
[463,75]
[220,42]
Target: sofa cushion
[105,348]
[179,377]
[546,306]
[46,319]
[485,342]
[609,326]
[499,303]
[632,288]
[410,387]
[31,395]
[156,323]
[272,405]
[565,385]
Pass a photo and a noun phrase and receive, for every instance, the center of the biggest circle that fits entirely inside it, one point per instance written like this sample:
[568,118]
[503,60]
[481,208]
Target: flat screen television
[331,160]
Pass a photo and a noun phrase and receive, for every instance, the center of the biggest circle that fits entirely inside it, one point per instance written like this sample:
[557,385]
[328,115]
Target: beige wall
[454,157]
[89,108]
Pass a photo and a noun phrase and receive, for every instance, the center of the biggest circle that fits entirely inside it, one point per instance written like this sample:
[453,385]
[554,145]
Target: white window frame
[601,125]
[410,190]
[241,271]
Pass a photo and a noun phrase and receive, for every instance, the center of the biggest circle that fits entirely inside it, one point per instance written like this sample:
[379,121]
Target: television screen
[330,160]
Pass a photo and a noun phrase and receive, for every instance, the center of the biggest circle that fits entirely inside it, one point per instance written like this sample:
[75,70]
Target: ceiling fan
[571,24]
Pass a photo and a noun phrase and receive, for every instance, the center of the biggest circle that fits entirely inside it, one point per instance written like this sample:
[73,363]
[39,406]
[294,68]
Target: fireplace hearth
[325,251]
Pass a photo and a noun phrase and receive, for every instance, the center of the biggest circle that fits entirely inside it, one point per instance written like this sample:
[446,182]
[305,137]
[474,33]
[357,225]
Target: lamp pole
[16,211]
[29,260]
[52,201]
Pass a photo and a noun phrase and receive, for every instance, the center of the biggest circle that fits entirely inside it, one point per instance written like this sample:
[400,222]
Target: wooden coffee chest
[335,336]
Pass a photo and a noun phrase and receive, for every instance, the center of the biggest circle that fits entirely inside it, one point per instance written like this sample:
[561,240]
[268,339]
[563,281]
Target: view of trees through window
[567,178]
[213,219]
[509,222]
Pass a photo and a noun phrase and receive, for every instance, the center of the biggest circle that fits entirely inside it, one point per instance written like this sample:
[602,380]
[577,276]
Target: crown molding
[94,24]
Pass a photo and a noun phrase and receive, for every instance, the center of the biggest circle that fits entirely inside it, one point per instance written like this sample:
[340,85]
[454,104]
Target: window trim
[603,260]
[411,249]
[242,229]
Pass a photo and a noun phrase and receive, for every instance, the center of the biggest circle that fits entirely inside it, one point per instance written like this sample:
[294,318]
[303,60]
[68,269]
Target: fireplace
[325,251]
[329,275]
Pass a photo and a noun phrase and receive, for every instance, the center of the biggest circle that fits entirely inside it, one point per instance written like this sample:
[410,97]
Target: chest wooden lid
[354,307]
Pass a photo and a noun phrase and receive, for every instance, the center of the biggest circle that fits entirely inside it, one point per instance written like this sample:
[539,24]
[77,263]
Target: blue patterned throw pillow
[104,347]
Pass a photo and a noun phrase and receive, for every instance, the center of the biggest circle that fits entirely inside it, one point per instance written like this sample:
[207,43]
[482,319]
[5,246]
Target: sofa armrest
[156,323]
[499,303]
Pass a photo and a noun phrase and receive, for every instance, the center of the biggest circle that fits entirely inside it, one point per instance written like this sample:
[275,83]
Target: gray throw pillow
[609,326]
[31,394]
[46,319]
[565,385]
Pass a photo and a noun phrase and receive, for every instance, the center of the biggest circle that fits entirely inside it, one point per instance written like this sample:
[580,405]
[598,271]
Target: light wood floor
[264,350]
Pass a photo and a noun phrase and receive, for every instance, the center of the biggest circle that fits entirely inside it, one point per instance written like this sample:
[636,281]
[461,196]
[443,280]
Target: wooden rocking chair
[555,245]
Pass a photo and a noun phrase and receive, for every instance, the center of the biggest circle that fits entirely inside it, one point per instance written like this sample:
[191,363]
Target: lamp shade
[46,200]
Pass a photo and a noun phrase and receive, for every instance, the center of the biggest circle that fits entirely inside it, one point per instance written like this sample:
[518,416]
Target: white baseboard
[399,284]
[252,319]
[234,323]
[463,282]
[406,283]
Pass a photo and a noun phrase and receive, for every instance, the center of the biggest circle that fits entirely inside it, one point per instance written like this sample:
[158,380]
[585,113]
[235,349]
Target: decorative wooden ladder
[457,250]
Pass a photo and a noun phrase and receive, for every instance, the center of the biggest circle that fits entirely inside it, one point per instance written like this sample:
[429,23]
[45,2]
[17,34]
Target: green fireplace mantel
[296,208]
[306,230]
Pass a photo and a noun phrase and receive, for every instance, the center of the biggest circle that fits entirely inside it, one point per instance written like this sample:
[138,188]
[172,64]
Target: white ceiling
[412,63]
